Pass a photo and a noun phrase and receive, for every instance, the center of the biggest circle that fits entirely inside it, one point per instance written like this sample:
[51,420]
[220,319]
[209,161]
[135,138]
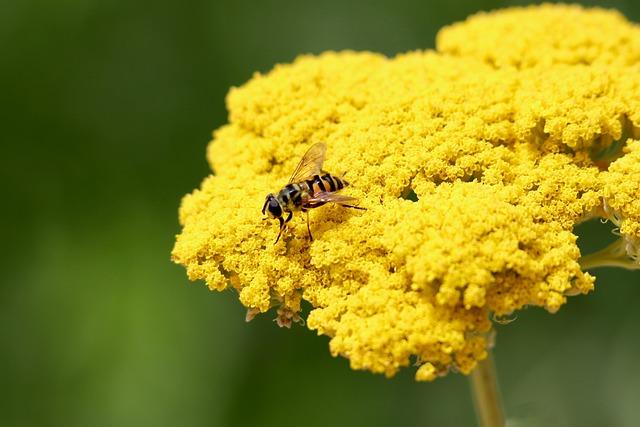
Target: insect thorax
[292,196]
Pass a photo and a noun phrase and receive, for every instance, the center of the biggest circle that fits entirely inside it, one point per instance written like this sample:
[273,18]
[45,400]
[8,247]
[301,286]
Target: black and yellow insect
[309,187]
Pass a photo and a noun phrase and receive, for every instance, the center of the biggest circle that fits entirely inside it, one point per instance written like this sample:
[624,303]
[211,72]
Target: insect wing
[310,164]
[327,197]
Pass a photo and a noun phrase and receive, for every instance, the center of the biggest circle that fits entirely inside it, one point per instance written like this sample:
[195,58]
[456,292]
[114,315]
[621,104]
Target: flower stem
[614,255]
[486,395]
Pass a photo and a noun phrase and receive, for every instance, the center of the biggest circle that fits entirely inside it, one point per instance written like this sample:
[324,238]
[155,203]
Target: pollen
[519,126]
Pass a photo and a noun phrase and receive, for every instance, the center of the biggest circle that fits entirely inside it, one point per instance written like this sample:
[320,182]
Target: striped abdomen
[326,183]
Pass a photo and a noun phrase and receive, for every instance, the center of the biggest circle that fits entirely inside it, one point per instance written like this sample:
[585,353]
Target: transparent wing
[310,164]
[326,197]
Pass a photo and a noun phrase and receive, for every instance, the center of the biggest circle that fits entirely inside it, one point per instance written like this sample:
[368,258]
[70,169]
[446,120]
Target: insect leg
[282,226]
[354,207]
[308,228]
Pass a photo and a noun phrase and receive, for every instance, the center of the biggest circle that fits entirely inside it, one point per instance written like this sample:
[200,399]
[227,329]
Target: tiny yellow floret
[474,161]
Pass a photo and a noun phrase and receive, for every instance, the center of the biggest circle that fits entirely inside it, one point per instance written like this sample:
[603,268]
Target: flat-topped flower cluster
[475,161]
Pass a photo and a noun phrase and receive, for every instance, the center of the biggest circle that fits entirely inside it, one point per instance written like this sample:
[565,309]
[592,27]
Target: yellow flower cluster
[474,162]
[543,36]
[621,193]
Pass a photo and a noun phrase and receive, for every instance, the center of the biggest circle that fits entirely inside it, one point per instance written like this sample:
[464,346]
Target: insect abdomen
[326,183]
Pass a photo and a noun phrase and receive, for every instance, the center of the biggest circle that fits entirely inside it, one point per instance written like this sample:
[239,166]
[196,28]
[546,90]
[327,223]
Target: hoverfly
[309,187]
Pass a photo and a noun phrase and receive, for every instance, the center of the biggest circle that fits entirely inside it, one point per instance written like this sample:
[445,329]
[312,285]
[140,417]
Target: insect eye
[274,208]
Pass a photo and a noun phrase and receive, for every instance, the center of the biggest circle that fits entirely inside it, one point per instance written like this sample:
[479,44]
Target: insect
[309,187]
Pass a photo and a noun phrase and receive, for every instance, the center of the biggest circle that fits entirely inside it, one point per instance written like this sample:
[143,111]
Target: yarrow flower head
[620,205]
[475,162]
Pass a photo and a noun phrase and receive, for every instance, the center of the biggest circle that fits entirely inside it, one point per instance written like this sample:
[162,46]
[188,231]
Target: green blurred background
[107,109]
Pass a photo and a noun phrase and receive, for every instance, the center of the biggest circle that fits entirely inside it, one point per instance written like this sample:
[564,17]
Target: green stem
[614,255]
[486,395]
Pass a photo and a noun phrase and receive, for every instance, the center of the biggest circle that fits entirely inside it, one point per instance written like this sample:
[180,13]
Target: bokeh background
[107,107]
